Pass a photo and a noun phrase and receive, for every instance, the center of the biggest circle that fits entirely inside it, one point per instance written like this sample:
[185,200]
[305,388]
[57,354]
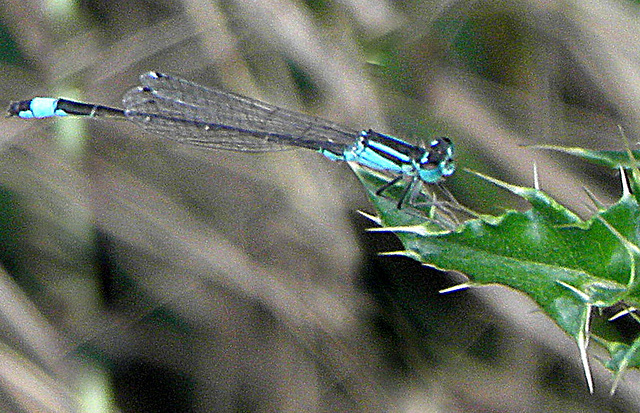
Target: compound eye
[442,141]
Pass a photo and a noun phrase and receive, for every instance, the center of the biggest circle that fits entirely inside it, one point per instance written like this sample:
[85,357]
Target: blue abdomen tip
[42,108]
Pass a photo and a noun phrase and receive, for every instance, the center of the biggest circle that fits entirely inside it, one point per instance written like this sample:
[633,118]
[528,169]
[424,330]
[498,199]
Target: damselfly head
[438,161]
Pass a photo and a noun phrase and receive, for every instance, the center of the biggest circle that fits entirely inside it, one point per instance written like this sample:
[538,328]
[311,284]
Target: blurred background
[138,275]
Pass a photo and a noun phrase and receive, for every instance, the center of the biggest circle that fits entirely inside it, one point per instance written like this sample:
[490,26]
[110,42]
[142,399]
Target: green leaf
[613,159]
[566,264]
[610,159]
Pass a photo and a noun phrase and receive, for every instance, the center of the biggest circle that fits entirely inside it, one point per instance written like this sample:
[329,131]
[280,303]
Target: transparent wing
[184,111]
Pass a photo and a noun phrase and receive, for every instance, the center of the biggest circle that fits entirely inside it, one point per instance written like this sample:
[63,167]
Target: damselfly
[183,111]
